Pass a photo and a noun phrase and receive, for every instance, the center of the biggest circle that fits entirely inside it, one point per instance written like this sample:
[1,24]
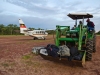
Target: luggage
[36,50]
[73,51]
[52,50]
[64,51]
[74,54]
[78,57]
[43,51]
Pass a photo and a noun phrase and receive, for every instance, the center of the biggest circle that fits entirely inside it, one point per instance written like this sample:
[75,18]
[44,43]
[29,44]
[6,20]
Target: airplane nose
[46,33]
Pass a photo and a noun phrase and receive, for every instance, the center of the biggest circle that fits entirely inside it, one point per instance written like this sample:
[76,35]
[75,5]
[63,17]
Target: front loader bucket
[65,61]
[83,59]
[59,60]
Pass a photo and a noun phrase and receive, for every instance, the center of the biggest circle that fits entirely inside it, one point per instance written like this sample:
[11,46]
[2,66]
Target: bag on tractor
[74,54]
[78,57]
[64,51]
[52,50]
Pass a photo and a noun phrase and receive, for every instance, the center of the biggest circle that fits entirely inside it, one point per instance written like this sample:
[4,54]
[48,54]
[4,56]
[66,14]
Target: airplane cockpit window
[43,32]
[40,32]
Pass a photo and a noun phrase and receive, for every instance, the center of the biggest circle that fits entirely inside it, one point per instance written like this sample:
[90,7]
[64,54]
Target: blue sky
[47,13]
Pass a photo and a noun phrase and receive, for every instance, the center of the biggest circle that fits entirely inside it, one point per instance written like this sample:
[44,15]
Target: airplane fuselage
[36,33]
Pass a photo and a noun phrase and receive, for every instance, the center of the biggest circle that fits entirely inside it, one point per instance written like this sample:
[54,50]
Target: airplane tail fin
[23,28]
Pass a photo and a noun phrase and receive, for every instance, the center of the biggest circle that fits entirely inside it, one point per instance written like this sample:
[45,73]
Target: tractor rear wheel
[89,49]
[94,43]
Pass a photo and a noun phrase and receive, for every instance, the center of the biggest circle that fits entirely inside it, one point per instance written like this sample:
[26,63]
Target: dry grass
[16,59]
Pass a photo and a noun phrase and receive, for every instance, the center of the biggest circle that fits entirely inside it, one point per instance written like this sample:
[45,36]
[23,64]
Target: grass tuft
[5,64]
[26,57]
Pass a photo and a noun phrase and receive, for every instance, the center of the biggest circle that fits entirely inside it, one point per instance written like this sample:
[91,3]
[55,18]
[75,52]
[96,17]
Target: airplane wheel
[35,38]
[44,38]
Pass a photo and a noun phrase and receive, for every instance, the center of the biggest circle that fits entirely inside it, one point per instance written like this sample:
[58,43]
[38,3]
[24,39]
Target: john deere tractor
[82,37]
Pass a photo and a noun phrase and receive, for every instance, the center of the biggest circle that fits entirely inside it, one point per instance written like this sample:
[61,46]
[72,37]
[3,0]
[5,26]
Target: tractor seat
[90,28]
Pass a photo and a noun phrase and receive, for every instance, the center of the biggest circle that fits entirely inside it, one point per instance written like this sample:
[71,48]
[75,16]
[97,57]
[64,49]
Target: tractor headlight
[73,34]
[67,34]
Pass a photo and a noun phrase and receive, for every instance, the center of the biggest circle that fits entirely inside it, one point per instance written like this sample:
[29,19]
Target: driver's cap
[88,20]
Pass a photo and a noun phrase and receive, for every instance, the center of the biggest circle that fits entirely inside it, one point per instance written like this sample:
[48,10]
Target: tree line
[98,33]
[13,29]
[10,29]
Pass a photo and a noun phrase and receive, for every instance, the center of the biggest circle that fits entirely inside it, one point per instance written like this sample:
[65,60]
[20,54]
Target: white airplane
[36,34]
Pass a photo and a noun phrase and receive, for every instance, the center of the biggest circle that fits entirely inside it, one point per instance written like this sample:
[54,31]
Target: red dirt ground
[16,59]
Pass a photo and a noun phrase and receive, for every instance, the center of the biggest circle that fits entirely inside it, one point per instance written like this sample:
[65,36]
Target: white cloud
[8,8]
[49,11]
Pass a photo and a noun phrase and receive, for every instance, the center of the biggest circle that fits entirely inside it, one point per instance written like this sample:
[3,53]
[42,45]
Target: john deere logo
[22,25]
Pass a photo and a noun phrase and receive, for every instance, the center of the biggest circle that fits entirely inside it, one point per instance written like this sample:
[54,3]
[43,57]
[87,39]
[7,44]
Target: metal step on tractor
[80,37]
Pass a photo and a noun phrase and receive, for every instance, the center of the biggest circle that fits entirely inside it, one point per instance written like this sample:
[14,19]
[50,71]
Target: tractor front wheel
[89,49]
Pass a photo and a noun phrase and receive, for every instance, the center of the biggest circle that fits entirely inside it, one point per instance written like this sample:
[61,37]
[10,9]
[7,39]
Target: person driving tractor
[90,24]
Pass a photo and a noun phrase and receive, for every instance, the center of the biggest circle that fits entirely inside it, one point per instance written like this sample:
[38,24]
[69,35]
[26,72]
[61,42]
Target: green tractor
[80,37]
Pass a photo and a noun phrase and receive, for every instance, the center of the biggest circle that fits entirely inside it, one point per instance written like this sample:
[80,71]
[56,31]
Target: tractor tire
[89,49]
[94,44]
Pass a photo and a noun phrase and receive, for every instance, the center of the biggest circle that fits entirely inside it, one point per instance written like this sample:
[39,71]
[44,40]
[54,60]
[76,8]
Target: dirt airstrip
[16,58]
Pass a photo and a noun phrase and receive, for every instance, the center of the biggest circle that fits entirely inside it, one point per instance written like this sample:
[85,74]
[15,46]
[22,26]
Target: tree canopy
[10,29]
[13,29]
